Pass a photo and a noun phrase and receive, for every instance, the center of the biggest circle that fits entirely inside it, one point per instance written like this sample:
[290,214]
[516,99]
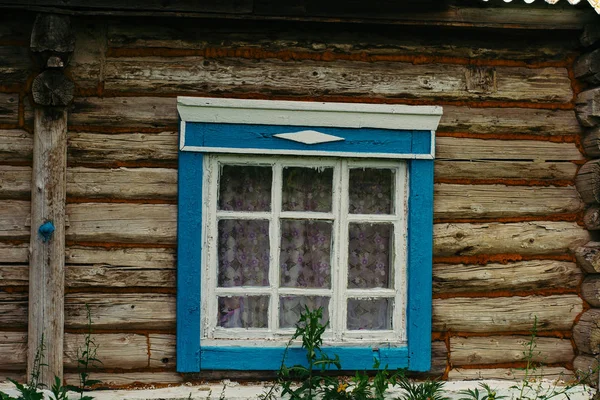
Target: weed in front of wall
[486,394]
[86,359]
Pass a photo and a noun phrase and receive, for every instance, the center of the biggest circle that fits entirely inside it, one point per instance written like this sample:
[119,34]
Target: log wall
[507,213]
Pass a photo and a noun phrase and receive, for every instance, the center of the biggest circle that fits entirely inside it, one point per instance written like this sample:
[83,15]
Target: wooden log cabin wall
[513,238]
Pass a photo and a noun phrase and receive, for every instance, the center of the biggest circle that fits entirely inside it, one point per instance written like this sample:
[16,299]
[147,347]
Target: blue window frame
[211,127]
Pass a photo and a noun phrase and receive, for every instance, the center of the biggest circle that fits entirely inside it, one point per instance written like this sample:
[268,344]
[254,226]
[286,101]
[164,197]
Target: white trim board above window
[282,141]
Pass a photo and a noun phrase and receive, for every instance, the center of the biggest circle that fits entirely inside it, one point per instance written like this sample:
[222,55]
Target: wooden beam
[588,257]
[587,67]
[52,41]
[587,107]
[588,182]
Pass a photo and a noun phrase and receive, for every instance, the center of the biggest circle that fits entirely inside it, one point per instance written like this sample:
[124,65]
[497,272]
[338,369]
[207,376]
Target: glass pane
[245,188]
[292,306]
[305,255]
[307,189]
[371,191]
[243,312]
[370,255]
[370,314]
[243,252]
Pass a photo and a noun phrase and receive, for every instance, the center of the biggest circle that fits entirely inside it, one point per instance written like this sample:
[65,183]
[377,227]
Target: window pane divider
[243,215]
[371,292]
[306,215]
[275,244]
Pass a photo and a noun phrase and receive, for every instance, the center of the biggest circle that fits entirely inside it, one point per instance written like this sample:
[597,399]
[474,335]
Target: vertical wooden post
[51,41]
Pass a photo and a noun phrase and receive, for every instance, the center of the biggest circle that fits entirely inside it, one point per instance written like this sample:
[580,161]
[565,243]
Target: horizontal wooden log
[587,67]
[15,182]
[512,374]
[588,257]
[160,112]
[13,310]
[137,223]
[15,219]
[122,183]
[14,253]
[120,311]
[19,376]
[15,145]
[506,314]
[120,350]
[591,218]
[9,108]
[439,358]
[588,107]
[508,349]
[590,35]
[591,143]
[517,276]
[187,35]
[128,379]
[590,290]
[14,275]
[15,66]
[162,350]
[344,78]
[156,258]
[115,276]
[88,55]
[588,182]
[106,149]
[484,169]
[489,201]
[586,333]
[586,366]
[13,351]
[525,238]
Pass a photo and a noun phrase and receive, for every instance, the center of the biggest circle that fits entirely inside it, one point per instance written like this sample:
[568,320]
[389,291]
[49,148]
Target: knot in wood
[52,88]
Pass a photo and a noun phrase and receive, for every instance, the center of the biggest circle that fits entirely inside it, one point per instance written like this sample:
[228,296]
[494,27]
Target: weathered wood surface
[187,35]
[127,379]
[590,290]
[591,218]
[15,145]
[489,201]
[122,183]
[14,253]
[588,182]
[517,276]
[13,351]
[439,358]
[135,223]
[9,108]
[588,257]
[590,35]
[125,257]
[121,311]
[343,78]
[468,374]
[591,142]
[114,350]
[162,350]
[160,112]
[13,310]
[506,314]
[117,276]
[48,203]
[106,149]
[587,365]
[587,67]
[484,169]
[15,219]
[508,349]
[15,66]
[588,107]
[586,333]
[15,182]
[14,275]
[525,238]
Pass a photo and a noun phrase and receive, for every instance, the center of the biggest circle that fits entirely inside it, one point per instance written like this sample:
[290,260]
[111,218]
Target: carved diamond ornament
[594,3]
[309,137]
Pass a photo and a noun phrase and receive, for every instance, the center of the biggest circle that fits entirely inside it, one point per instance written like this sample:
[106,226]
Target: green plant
[474,394]
[428,390]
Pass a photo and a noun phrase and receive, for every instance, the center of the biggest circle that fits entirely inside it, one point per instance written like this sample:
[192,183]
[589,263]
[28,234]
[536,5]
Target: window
[287,204]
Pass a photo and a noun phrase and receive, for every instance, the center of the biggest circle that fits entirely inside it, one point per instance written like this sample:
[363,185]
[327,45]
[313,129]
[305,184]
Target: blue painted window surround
[360,131]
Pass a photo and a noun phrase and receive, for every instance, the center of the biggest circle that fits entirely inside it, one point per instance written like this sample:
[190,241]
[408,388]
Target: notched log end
[52,88]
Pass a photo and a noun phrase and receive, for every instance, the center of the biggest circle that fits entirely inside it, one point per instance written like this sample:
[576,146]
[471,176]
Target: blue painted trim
[360,141]
[269,358]
[420,250]
[189,247]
